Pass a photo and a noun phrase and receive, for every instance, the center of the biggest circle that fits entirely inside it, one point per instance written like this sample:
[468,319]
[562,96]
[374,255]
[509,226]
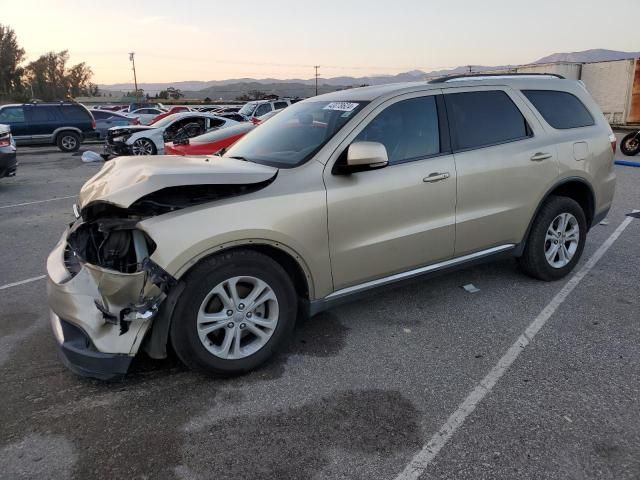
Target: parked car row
[135,129]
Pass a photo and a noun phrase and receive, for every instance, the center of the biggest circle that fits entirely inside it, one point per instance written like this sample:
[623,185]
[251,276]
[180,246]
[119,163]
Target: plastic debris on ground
[90,157]
[471,288]
[604,222]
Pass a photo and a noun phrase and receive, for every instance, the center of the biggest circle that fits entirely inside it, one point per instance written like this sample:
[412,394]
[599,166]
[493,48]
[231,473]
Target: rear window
[75,113]
[42,113]
[561,110]
[484,118]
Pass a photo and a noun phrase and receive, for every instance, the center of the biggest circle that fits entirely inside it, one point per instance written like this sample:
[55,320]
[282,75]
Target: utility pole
[135,79]
[317,75]
[470,69]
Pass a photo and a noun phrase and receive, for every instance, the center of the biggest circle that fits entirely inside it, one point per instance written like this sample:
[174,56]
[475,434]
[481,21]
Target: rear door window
[484,118]
[561,110]
[41,114]
[408,129]
[280,105]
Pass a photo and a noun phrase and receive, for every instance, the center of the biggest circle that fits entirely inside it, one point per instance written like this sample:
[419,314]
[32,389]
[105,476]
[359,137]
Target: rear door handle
[538,157]
[436,177]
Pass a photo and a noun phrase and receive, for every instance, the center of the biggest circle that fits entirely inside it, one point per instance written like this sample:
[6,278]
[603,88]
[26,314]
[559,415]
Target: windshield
[293,136]
[248,109]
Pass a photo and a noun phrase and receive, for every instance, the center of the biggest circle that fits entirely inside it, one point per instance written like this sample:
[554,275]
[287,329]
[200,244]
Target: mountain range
[232,88]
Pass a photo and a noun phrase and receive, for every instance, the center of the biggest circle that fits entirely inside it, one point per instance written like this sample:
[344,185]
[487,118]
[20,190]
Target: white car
[146,115]
[150,139]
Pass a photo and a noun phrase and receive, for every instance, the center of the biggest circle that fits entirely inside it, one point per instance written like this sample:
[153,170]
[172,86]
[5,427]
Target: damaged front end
[104,292]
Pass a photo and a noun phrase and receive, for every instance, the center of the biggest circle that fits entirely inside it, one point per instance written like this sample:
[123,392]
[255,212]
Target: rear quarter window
[561,110]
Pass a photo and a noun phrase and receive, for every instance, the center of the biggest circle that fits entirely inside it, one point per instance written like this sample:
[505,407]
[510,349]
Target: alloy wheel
[238,317]
[561,240]
[68,142]
[142,147]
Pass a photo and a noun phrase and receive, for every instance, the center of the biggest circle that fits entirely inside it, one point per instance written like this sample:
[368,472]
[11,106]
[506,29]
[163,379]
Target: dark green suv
[65,124]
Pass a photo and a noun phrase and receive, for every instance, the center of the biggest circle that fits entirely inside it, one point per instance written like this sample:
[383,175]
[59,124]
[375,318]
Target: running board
[340,296]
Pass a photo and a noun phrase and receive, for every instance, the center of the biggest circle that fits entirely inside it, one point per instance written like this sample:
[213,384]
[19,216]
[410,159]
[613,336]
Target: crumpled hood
[124,180]
[4,129]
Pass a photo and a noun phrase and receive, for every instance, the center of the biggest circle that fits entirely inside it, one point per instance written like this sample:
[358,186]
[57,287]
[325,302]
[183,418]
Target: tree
[256,94]
[94,91]
[78,78]
[164,95]
[11,55]
[50,79]
[174,93]
[207,100]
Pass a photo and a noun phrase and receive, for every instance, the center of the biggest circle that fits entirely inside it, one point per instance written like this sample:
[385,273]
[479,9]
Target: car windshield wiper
[240,158]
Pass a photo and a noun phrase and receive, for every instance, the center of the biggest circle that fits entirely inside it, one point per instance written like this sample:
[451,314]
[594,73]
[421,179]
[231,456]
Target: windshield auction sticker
[341,106]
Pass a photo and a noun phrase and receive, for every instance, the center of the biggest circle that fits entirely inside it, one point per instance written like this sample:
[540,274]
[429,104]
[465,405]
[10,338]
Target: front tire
[68,142]
[630,144]
[143,146]
[556,240]
[236,310]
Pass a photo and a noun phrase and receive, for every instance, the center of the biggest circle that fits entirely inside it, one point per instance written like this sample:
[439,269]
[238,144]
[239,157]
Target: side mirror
[362,156]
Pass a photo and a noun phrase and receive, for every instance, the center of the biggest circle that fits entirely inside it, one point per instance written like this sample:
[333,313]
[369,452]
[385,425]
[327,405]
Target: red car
[210,142]
[172,110]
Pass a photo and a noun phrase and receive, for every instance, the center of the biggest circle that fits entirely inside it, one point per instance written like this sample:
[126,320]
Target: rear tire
[556,239]
[68,142]
[213,329]
[630,144]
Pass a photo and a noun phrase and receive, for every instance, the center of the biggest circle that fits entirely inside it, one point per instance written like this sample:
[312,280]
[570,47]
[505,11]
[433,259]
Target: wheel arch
[155,343]
[58,131]
[576,188]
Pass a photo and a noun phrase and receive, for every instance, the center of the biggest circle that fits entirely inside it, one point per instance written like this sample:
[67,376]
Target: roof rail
[481,76]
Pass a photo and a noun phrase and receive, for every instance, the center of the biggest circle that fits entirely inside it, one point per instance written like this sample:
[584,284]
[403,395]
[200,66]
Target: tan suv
[334,197]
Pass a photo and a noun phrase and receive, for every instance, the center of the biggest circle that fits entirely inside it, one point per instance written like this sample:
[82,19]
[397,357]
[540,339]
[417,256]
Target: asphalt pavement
[361,390]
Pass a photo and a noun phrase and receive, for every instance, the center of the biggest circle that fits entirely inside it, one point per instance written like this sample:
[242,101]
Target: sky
[215,40]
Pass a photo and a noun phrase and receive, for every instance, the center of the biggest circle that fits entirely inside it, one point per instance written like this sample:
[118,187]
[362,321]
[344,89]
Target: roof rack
[481,76]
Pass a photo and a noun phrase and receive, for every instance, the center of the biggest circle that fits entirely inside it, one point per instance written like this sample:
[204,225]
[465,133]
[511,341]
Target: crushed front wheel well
[155,343]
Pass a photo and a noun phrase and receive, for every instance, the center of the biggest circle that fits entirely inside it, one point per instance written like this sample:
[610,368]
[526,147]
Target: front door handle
[435,177]
[538,157]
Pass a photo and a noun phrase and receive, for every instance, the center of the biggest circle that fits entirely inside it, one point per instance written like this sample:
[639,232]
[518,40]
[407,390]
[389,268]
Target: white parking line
[22,282]
[425,456]
[37,201]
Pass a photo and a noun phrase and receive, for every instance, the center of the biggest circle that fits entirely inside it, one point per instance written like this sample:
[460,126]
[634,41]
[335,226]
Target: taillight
[93,124]
[614,142]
